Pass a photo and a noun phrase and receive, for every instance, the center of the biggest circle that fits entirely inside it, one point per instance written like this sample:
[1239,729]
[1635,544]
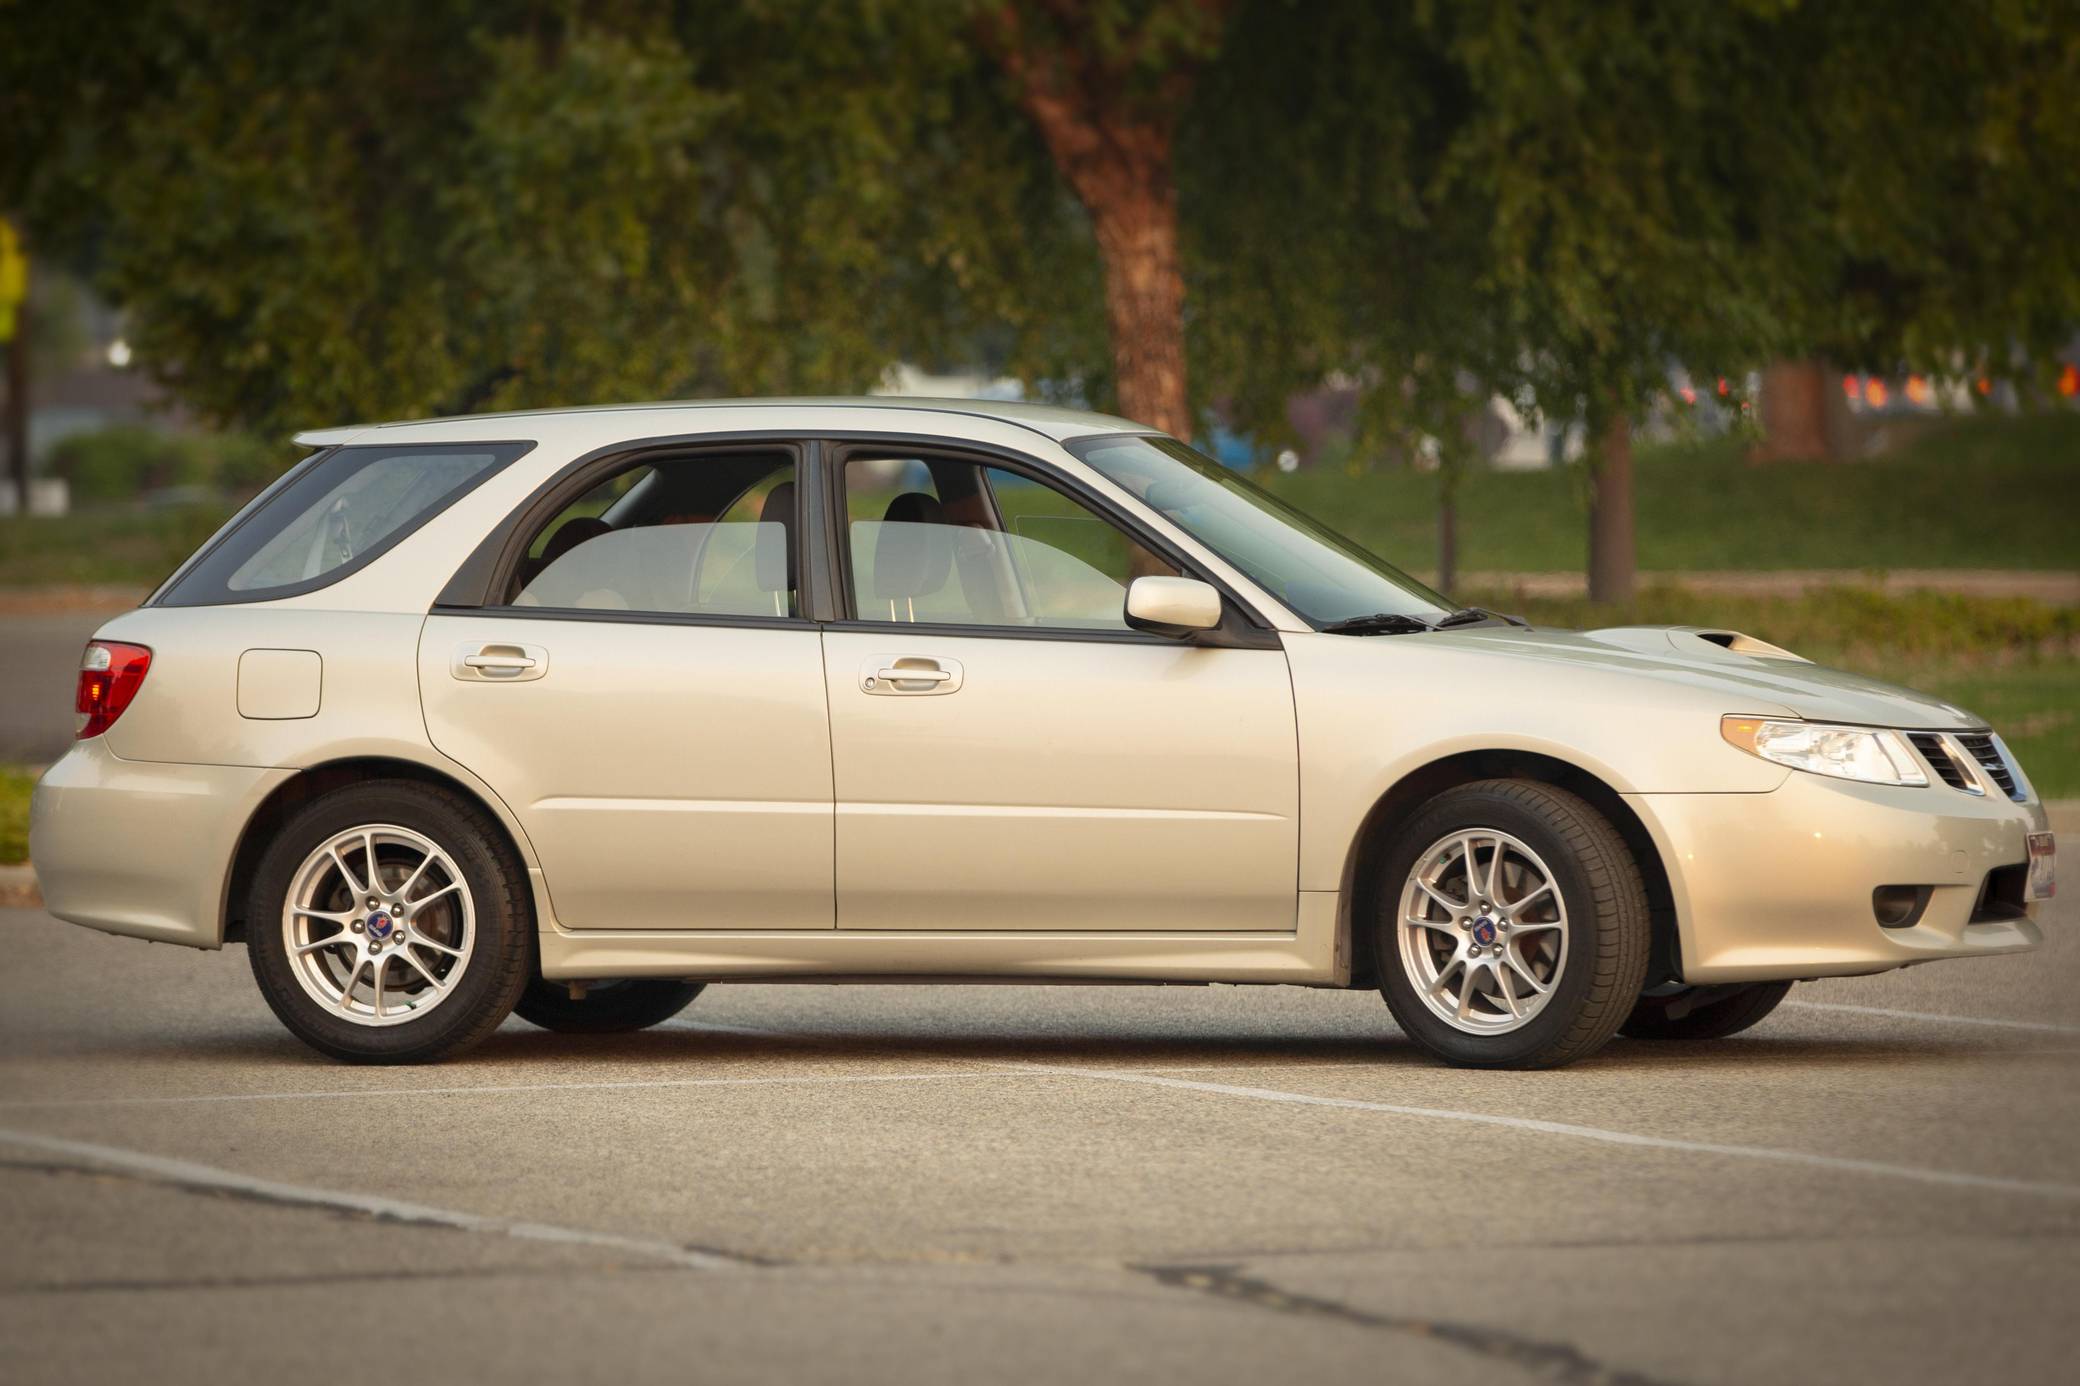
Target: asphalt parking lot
[805,1184]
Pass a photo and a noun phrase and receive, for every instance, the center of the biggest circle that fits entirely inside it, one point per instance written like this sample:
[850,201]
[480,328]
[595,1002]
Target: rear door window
[334,517]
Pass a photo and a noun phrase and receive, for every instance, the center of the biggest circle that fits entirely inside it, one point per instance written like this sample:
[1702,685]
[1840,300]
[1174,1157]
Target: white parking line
[979,1074]
[486,1089]
[1593,1133]
[190,1175]
[1890,1014]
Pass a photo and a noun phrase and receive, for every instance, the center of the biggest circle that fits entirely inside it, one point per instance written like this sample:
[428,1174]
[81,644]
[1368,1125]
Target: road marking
[193,1176]
[611,1085]
[1839,1163]
[320,1094]
[1889,1013]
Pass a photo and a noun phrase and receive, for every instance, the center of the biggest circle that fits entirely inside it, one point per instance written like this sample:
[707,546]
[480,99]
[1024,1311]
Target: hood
[1752,675]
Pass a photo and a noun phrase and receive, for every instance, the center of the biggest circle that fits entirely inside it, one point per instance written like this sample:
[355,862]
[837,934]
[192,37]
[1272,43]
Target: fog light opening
[1900,906]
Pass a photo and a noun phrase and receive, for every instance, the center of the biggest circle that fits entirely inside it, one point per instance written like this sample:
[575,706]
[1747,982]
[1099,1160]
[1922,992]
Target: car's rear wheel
[1702,1013]
[389,923]
[604,1008]
[1513,926]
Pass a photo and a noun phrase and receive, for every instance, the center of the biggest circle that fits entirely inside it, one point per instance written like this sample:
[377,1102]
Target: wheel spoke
[336,916]
[353,882]
[452,885]
[412,958]
[1442,925]
[346,988]
[1455,906]
[404,892]
[382,965]
[1509,997]
[337,940]
[422,941]
[1510,910]
[1469,976]
[1442,981]
[1517,965]
[1495,871]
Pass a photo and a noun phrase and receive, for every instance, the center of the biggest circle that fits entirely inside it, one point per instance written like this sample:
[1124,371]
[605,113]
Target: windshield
[1318,573]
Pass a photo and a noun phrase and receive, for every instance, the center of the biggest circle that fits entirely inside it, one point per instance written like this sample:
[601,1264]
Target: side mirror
[1172,605]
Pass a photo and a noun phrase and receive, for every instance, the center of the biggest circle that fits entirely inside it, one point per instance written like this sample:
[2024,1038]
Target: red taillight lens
[109,676]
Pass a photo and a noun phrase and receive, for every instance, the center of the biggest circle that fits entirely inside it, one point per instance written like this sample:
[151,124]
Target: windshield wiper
[1477,615]
[1378,623]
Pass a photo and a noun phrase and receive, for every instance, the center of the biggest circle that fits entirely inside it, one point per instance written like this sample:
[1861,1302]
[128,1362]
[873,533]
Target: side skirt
[1309,956]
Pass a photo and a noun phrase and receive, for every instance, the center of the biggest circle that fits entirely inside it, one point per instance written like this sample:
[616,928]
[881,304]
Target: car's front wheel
[1703,1013]
[1513,928]
[604,1008]
[389,923]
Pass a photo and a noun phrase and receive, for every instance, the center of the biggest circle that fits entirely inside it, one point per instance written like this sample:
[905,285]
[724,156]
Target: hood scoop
[1695,642]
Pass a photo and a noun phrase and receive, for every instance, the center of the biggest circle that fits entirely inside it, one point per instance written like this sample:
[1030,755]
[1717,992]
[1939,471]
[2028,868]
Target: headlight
[1873,755]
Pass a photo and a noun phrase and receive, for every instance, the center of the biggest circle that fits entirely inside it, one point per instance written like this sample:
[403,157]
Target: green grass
[15,785]
[2035,707]
[115,547]
[1967,493]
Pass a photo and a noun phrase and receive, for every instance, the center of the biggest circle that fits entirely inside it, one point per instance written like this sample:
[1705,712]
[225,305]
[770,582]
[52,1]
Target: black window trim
[506,452]
[1241,626]
[821,569]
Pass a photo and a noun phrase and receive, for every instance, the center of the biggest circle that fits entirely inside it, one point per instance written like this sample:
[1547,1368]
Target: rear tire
[1715,1019]
[390,922]
[607,1008]
[1528,948]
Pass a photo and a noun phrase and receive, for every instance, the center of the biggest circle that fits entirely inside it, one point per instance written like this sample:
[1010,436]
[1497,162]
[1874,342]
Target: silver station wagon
[577,712]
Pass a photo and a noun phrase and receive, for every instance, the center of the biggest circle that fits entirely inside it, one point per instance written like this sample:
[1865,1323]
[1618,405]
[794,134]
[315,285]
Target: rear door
[1009,756]
[645,693]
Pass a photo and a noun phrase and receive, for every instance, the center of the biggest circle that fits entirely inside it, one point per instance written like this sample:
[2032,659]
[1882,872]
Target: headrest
[774,545]
[913,553]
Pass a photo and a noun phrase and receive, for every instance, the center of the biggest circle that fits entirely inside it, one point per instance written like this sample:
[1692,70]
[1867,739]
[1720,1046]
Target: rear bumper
[1778,885]
[141,848]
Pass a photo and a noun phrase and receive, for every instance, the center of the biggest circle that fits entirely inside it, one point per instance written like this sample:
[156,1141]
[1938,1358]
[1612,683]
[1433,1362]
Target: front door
[648,699]
[1008,755]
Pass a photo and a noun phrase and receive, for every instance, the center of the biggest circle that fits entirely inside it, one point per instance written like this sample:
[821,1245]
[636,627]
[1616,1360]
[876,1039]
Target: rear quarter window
[335,514]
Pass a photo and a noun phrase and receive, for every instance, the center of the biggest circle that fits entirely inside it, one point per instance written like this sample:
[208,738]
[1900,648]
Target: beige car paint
[1144,786]
[672,776]
[1163,791]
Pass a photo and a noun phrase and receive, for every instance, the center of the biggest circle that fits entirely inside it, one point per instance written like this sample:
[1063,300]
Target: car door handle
[909,675]
[498,663]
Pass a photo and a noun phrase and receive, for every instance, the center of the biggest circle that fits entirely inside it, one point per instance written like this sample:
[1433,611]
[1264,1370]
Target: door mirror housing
[1174,606]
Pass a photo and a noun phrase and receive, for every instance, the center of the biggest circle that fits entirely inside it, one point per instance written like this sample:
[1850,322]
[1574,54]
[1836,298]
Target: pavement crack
[1551,1361]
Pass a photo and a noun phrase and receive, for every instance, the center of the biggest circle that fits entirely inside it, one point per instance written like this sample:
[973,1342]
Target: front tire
[389,922]
[606,1008]
[1684,1016]
[1512,926]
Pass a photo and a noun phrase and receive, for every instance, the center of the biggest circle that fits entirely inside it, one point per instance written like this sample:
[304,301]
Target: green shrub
[114,464]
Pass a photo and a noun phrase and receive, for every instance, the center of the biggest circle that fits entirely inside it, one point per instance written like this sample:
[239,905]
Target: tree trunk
[1447,539]
[1802,417]
[18,404]
[1613,561]
[1144,303]
[1110,134]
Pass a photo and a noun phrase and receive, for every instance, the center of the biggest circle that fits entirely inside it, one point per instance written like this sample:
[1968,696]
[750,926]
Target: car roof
[1051,420]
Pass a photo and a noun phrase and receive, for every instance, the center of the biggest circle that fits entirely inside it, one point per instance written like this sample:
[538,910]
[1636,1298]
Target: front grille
[1979,746]
[1939,760]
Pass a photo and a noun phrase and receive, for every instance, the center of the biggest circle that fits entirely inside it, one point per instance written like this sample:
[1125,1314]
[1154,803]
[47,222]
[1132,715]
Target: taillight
[109,676]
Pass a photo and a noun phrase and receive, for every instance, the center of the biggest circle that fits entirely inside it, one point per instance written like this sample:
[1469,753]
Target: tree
[1105,82]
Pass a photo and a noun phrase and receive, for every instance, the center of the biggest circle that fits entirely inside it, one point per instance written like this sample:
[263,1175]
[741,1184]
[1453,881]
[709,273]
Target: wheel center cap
[379,925]
[1483,930]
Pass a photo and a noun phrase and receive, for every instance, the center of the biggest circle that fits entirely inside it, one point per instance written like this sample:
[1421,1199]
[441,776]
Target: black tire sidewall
[499,963]
[1545,1040]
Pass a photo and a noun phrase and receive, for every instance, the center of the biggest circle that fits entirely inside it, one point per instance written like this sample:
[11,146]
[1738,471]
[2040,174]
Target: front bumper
[1777,886]
[141,847]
